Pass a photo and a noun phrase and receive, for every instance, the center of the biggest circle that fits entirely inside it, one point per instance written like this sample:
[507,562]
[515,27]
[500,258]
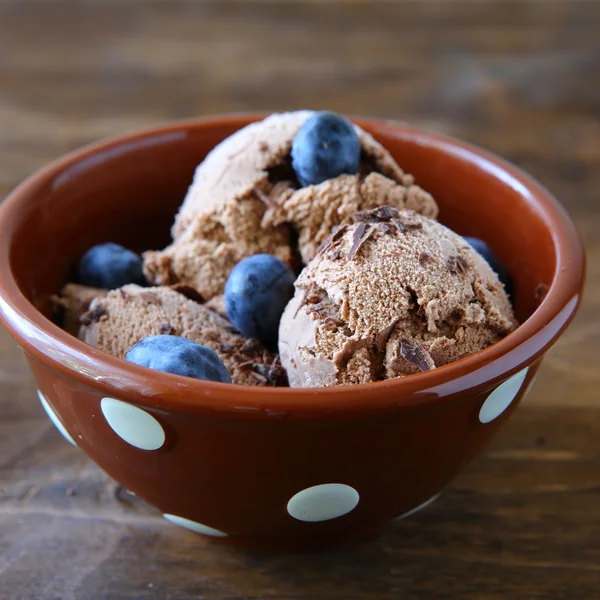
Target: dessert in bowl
[254,462]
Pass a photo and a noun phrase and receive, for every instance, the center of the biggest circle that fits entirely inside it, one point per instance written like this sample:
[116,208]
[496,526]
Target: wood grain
[520,78]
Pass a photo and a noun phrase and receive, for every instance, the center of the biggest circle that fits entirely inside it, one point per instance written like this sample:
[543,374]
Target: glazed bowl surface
[276,467]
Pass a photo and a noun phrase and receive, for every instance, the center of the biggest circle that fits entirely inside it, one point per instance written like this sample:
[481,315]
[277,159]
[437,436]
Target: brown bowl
[276,467]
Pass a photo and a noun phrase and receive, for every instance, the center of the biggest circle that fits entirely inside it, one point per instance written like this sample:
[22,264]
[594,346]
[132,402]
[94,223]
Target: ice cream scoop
[391,294]
[242,202]
[315,210]
[125,316]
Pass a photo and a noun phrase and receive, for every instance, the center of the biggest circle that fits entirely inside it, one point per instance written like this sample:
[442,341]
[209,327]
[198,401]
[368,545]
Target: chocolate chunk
[262,370]
[277,376]
[324,308]
[334,238]
[383,337]
[328,312]
[189,292]
[457,265]
[383,227]
[245,363]
[252,346]
[273,374]
[333,324]
[310,296]
[425,259]
[385,213]
[167,329]
[399,225]
[263,146]
[324,245]
[319,308]
[378,349]
[252,357]
[93,316]
[403,226]
[334,254]
[260,378]
[329,324]
[363,240]
[337,232]
[414,353]
[413,226]
[226,348]
[149,297]
[376,215]
[357,240]
[315,297]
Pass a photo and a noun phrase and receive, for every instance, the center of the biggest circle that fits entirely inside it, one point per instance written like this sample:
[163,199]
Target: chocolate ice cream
[244,200]
[125,316]
[391,294]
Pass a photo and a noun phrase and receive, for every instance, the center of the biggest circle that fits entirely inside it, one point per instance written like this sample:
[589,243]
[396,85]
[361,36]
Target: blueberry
[484,250]
[110,266]
[257,291]
[325,146]
[180,356]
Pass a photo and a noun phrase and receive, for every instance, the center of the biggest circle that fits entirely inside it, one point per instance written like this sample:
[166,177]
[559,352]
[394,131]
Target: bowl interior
[128,192]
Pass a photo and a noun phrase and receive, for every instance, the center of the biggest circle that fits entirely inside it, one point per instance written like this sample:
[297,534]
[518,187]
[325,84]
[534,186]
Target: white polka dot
[419,507]
[54,418]
[499,400]
[323,502]
[133,424]
[193,526]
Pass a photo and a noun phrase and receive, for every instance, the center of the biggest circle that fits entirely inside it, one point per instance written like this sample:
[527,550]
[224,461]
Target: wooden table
[522,79]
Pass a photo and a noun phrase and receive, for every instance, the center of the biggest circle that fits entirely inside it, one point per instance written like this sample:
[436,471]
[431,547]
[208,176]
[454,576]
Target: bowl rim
[113,376]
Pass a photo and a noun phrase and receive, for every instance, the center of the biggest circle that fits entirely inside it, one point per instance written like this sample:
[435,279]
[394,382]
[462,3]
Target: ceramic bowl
[273,467]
